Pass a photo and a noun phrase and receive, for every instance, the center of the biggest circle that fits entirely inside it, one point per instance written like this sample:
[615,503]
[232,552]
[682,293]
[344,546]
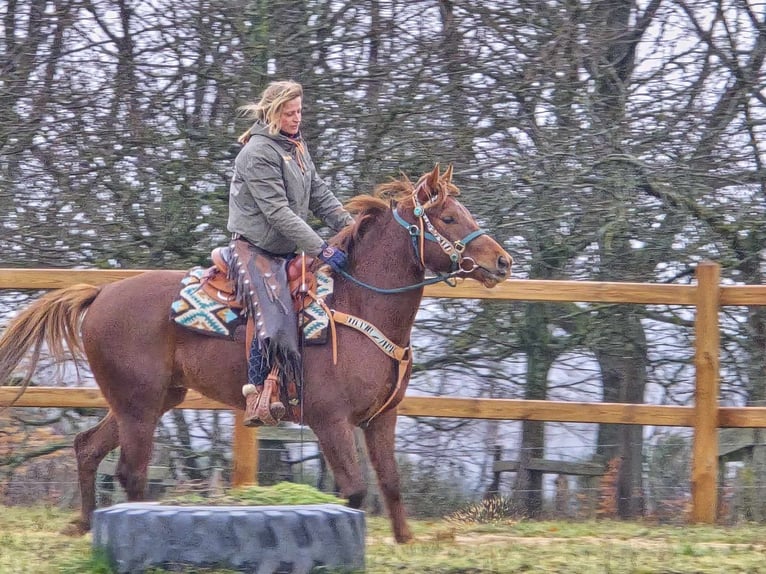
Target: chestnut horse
[144,363]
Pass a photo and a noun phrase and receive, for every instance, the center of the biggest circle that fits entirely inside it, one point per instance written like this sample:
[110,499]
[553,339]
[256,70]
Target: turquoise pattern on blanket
[315,321]
[196,310]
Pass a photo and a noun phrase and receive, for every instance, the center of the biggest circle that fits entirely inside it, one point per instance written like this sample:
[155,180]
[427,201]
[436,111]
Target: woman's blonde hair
[269,108]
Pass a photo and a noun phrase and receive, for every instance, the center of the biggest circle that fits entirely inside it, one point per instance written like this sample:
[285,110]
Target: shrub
[494,510]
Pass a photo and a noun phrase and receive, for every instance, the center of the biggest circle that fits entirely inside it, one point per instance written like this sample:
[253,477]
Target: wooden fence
[705,417]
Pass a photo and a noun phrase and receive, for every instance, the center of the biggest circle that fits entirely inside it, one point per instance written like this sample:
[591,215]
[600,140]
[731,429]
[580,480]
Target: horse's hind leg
[137,441]
[90,447]
[336,437]
[380,439]
[135,454]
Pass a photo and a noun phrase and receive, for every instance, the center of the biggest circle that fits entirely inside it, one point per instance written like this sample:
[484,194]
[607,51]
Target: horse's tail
[54,321]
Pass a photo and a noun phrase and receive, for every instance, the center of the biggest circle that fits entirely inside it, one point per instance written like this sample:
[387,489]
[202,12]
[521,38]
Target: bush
[497,509]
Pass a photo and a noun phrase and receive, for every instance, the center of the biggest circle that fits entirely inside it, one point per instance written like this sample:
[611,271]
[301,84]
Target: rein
[430,281]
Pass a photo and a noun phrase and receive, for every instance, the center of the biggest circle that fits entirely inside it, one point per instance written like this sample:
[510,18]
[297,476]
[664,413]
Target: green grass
[30,543]
[591,547]
[279,494]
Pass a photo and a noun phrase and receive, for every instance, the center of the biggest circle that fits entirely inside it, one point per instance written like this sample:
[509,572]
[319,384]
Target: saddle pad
[314,320]
[196,310]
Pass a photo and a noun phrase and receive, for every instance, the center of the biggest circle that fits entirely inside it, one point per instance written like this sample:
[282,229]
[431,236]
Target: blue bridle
[453,249]
[418,233]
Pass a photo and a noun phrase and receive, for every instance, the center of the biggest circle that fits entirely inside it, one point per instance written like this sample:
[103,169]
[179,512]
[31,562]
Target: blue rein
[393,290]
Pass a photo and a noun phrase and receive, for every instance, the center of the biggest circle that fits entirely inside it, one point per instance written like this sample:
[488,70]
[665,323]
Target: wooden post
[244,452]
[706,361]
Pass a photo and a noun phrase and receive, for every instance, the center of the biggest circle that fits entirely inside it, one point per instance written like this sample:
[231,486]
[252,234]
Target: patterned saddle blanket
[199,310]
[206,303]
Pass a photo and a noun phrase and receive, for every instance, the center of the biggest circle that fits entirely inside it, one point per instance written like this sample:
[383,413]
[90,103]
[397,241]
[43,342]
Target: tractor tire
[256,539]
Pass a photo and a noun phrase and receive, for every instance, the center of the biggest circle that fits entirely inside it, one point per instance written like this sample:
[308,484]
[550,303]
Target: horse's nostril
[503,264]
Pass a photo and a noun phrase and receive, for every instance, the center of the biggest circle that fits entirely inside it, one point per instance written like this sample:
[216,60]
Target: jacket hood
[261,129]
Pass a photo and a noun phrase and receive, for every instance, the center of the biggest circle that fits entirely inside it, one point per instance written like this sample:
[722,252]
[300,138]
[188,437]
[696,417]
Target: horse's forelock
[402,190]
[443,189]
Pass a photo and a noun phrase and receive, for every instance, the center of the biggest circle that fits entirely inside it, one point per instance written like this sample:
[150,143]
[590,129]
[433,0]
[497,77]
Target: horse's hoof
[405,539]
[75,528]
[277,410]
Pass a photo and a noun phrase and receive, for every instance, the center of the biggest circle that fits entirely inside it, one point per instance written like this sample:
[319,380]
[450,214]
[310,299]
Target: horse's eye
[448,219]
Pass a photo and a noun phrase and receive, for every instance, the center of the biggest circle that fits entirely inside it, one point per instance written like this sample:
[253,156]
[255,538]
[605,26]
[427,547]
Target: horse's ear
[447,177]
[433,177]
[429,186]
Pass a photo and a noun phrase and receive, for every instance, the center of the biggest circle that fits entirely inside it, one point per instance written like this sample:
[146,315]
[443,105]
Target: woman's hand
[334,257]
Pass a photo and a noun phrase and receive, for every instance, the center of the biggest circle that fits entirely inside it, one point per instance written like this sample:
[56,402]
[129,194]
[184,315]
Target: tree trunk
[529,484]
[621,353]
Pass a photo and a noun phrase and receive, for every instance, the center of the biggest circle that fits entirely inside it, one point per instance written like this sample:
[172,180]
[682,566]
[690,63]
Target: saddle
[266,403]
[215,282]
[301,279]
[307,288]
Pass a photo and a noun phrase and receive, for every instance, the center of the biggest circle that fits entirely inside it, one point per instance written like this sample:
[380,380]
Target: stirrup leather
[263,405]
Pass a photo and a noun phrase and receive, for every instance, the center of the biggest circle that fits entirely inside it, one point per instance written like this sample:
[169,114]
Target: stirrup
[252,395]
[263,406]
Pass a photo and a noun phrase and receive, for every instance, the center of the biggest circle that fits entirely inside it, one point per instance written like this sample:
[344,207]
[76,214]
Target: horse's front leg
[380,438]
[336,437]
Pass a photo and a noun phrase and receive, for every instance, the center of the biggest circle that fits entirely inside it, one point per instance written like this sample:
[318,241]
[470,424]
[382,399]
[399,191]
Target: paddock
[705,417]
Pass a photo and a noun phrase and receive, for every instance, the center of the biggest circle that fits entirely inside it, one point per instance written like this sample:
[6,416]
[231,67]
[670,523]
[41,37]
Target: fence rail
[705,417]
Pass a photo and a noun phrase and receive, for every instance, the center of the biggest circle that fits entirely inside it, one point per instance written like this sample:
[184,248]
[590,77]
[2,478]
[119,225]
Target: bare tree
[612,140]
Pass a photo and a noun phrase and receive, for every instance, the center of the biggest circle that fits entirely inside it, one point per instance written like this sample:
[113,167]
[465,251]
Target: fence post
[706,362]
[244,452]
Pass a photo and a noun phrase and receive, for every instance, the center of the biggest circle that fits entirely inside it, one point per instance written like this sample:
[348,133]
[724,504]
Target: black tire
[257,539]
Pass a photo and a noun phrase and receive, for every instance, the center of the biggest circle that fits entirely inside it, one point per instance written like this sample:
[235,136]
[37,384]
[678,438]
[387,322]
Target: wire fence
[429,491]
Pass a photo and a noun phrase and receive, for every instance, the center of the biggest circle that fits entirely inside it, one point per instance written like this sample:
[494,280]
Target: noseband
[419,234]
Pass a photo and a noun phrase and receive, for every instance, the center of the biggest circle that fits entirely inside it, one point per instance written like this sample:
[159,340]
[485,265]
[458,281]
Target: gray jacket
[271,195]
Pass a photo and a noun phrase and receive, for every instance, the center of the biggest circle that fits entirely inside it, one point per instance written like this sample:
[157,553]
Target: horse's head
[446,235]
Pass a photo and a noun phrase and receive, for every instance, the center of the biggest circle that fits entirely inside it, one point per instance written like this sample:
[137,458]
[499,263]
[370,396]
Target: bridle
[420,232]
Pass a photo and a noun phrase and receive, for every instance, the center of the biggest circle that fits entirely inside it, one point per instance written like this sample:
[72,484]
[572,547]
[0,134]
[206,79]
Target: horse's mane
[367,209]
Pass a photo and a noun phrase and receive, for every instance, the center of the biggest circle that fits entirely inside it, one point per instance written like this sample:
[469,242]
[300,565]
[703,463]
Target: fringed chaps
[272,331]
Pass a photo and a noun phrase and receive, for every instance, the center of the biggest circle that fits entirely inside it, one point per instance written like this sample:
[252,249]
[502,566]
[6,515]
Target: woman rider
[275,185]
